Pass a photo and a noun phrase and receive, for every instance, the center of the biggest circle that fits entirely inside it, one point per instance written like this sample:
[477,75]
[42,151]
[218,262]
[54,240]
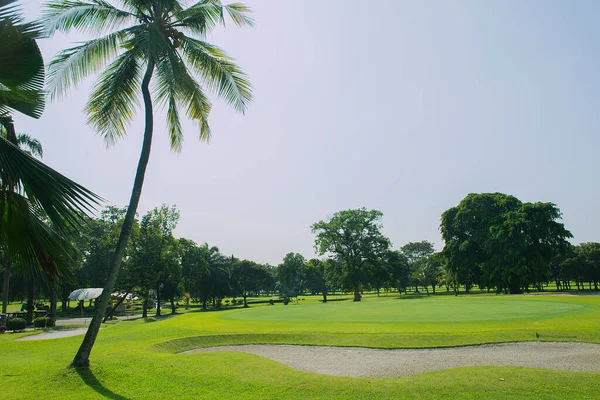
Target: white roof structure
[85,294]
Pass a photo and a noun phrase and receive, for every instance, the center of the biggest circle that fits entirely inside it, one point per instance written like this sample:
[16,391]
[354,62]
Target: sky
[401,106]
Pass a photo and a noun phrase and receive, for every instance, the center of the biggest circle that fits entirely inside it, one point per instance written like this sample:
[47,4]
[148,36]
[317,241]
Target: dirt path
[57,334]
[383,363]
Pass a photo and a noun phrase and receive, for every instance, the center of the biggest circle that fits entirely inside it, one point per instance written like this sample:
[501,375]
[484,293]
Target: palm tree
[31,194]
[146,39]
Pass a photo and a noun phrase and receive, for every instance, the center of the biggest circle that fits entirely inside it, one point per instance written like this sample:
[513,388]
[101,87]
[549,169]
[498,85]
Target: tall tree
[160,42]
[355,240]
[156,257]
[590,261]
[291,274]
[248,277]
[416,253]
[316,280]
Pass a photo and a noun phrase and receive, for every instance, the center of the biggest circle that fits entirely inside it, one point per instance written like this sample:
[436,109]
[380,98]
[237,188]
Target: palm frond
[63,201]
[219,72]
[91,16]
[29,243]
[174,125]
[240,14]
[11,11]
[115,97]
[72,65]
[30,145]
[200,18]
[177,87]
[21,65]
[28,102]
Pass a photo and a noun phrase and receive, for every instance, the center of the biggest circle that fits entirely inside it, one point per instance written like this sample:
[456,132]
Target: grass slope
[136,359]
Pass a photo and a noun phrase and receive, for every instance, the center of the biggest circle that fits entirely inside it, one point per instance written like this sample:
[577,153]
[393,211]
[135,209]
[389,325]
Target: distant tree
[291,274]
[399,270]
[498,240]
[354,239]
[315,277]
[416,253]
[248,277]
[590,258]
[429,270]
[156,255]
[380,275]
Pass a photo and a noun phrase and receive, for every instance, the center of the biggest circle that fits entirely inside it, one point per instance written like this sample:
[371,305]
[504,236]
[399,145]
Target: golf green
[408,311]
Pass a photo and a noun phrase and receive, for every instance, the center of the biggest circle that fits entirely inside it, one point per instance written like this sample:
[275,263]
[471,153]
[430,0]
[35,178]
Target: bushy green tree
[292,274]
[355,240]
[495,239]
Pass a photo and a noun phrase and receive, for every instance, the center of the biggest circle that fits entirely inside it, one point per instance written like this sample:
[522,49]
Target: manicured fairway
[428,310]
[138,359]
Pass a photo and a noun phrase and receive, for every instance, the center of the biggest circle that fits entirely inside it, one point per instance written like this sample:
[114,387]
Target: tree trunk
[246,303]
[145,307]
[112,310]
[82,358]
[515,287]
[30,300]
[324,296]
[357,296]
[5,287]
[433,288]
[204,300]
[53,303]
[158,301]
[172,305]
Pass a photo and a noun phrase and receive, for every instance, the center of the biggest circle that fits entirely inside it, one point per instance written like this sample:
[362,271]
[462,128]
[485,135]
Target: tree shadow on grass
[88,377]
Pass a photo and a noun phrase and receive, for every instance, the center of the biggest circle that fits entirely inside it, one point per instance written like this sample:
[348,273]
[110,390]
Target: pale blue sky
[403,106]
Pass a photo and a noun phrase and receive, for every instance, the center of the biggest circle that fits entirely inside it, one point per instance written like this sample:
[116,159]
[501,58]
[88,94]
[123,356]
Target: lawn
[138,359]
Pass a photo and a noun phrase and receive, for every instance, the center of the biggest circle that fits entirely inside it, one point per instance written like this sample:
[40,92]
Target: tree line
[493,242]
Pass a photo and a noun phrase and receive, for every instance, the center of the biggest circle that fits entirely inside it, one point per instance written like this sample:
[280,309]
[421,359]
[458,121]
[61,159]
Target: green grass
[138,359]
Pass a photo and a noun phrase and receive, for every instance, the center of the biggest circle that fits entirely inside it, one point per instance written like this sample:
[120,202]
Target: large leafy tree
[148,40]
[496,240]
[39,207]
[355,240]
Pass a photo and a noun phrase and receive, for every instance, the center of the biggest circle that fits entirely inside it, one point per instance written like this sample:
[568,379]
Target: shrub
[16,324]
[43,322]
[286,300]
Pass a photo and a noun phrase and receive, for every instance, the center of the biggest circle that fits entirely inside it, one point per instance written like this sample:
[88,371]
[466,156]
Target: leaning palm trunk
[82,358]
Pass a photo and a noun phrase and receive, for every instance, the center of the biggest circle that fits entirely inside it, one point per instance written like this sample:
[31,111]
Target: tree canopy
[355,240]
[497,241]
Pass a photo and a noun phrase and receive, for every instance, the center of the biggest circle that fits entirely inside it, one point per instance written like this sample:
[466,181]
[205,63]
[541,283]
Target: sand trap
[57,334]
[383,363]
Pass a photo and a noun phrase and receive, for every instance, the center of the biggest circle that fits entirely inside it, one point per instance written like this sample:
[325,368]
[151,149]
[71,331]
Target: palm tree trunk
[82,358]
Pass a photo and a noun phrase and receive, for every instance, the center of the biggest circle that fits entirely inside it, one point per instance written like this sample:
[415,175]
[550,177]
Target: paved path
[56,334]
[85,321]
[383,363]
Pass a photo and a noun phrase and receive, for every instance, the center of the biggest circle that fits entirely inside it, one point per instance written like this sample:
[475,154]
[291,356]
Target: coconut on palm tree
[31,194]
[147,40]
